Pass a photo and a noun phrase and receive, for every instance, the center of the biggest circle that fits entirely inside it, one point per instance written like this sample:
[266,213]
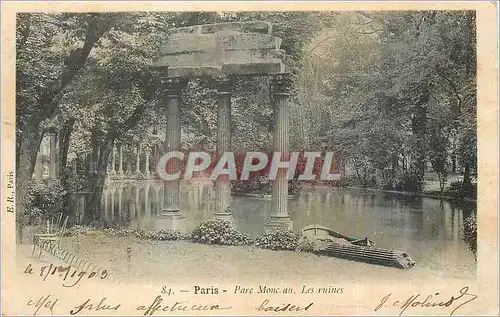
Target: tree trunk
[29,143]
[419,146]
[64,138]
[467,181]
[394,163]
[94,202]
[93,156]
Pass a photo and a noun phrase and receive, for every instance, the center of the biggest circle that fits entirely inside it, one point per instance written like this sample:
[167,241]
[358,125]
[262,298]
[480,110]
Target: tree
[390,88]
[51,50]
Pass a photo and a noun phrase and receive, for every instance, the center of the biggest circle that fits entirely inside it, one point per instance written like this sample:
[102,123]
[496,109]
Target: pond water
[430,230]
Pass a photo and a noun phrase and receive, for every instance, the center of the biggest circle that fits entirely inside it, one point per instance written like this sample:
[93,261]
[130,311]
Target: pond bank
[128,258]
[423,194]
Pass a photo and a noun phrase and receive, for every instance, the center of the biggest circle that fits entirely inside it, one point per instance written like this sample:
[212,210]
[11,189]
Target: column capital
[172,86]
[223,84]
[281,84]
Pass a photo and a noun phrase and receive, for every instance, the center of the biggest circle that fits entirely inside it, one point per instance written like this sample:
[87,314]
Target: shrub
[293,187]
[253,185]
[90,230]
[278,240]
[470,234]
[458,189]
[162,235]
[117,231]
[346,180]
[455,186]
[408,182]
[220,232]
[43,200]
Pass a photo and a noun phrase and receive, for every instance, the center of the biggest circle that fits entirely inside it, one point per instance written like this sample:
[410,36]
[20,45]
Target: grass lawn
[128,258]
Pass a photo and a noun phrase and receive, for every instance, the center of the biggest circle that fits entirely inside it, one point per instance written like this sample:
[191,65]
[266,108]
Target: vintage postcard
[249,158]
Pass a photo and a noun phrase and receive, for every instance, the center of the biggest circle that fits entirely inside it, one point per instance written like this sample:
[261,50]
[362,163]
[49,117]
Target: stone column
[280,219]
[74,164]
[146,168]
[39,167]
[171,195]
[113,160]
[129,163]
[223,183]
[137,163]
[90,162]
[120,163]
[53,156]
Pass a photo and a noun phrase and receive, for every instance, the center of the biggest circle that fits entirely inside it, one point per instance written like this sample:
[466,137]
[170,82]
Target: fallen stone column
[372,255]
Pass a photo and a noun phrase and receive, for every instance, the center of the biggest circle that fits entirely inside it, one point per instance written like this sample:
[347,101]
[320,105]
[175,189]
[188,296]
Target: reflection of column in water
[323,198]
[140,205]
[320,206]
[448,225]
[137,203]
[132,204]
[120,211]
[460,223]
[113,203]
[157,200]
[161,198]
[372,201]
[127,204]
[191,201]
[204,191]
[425,222]
[101,205]
[456,224]
[329,200]
[310,197]
[146,200]
[406,224]
[105,197]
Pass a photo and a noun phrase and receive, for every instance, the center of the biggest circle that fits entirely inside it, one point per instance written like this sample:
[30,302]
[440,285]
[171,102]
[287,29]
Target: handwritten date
[68,274]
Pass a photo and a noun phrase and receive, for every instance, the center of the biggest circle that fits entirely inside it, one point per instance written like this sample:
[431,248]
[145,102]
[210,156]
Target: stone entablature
[235,48]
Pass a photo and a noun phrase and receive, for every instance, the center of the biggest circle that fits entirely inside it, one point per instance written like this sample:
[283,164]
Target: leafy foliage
[470,234]
[162,235]
[44,200]
[278,240]
[460,189]
[358,98]
[220,232]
